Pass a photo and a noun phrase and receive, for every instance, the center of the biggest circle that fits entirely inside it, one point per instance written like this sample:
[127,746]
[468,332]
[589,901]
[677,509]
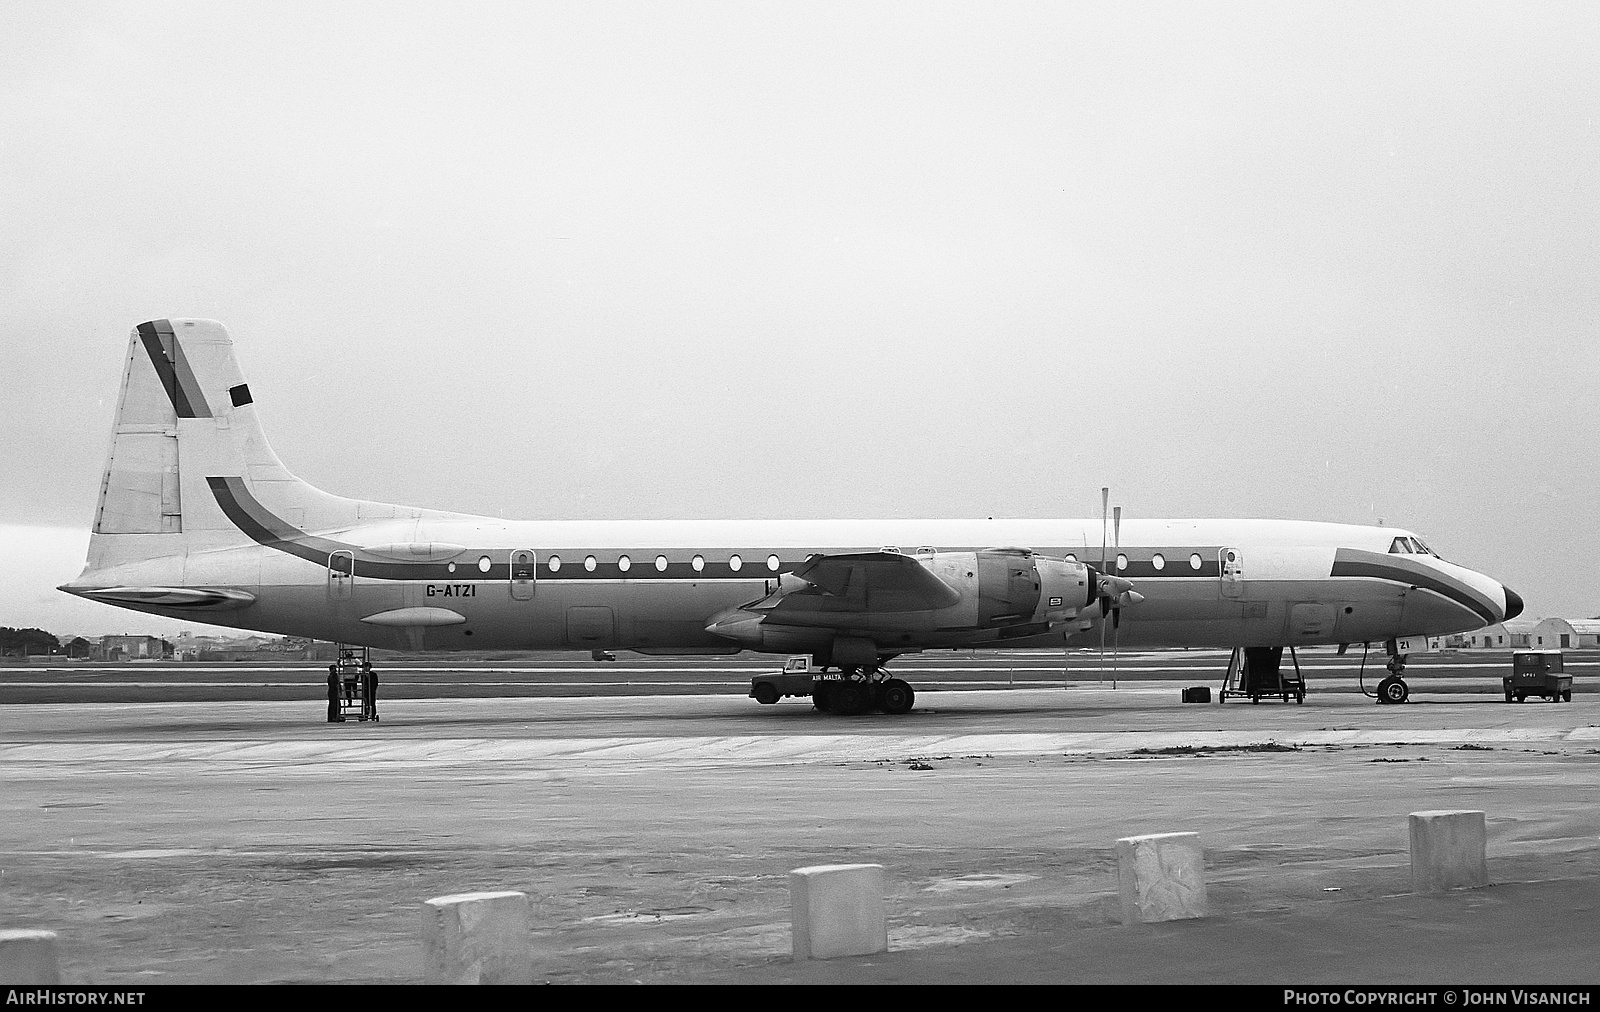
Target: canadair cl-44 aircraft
[199,520]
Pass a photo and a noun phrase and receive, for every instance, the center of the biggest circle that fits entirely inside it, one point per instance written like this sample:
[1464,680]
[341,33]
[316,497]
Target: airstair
[352,686]
[1258,672]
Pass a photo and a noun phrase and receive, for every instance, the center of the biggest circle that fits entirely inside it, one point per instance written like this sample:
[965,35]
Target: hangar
[1515,634]
[1566,634]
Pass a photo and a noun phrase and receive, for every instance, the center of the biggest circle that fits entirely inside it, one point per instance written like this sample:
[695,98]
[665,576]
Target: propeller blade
[1116,612]
[1105,506]
[1116,643]
[1105,602]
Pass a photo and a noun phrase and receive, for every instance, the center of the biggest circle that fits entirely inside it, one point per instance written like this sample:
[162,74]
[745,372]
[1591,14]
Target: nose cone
[1513,603]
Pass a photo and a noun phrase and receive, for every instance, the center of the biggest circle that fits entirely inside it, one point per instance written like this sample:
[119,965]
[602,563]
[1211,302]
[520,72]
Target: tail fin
[187,445]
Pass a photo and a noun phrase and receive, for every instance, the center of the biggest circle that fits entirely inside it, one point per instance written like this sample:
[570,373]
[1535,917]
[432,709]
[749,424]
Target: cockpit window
[1410,546]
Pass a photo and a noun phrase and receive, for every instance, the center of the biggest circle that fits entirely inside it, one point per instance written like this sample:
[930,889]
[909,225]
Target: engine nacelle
[977,597]
[1016,587]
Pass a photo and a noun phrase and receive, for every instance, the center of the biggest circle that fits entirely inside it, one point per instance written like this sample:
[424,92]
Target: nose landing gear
[1394,688]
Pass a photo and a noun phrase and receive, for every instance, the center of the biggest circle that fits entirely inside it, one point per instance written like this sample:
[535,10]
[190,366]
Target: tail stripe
[177,379]
[265,528]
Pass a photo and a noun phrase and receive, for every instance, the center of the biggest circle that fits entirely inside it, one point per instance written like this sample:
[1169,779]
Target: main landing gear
[1394,688]
[859,690]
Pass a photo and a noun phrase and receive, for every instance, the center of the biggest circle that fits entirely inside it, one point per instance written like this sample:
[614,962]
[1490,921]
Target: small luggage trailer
[1538,673]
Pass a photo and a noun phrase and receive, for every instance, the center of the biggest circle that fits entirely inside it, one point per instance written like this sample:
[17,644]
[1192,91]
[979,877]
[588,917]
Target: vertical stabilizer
[186,426]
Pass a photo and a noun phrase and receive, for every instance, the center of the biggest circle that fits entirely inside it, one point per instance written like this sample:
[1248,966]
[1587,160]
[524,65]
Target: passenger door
[1231,567]
[341,576]
[524,574]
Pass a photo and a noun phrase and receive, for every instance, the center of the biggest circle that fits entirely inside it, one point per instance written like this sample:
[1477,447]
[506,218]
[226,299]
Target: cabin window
[1122,562]
[772,563]
[1158,560]
[484,564]
[734,562]
[698,562]
[589,563]
[1071,557]
[661,563]
[554,562]
[623,562]
[1194,561]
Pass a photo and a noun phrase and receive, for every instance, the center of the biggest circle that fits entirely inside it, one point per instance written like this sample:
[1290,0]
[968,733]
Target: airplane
[198,519]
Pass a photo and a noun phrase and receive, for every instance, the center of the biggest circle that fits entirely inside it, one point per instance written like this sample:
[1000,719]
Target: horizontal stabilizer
[170,597]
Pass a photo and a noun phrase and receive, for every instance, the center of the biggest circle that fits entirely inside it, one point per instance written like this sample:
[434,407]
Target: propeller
[1116,593]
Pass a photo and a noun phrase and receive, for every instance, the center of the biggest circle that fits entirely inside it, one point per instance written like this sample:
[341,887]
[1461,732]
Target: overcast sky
[1332,262]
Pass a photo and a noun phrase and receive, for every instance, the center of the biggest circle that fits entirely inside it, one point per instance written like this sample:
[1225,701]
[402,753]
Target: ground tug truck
[832,690]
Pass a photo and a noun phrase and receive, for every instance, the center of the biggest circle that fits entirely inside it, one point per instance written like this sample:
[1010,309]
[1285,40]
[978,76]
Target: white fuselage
[1289,582]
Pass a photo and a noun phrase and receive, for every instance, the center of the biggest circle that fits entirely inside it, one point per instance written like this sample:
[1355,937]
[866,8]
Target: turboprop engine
[901,602]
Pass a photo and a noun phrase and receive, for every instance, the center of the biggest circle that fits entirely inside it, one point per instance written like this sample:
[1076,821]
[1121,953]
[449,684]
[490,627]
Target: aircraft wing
[863,582]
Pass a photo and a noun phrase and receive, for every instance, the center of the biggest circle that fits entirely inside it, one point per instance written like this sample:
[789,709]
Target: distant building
[1566,634]
[1514,634]
[134,648]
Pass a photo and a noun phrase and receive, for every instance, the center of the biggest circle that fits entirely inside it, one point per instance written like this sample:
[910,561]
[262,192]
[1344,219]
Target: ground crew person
[369,691]
[334,716]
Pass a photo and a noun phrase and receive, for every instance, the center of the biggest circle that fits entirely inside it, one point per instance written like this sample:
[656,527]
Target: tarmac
[246,841]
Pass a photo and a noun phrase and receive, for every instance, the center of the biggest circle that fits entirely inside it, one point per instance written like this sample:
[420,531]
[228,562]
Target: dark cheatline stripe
[265,528]
[172,368]
[1371,566]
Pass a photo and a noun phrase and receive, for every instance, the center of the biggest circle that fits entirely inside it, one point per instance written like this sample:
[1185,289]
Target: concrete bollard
[837,910]
[477,938]
[1448,851]
[1161,877]
[28,957]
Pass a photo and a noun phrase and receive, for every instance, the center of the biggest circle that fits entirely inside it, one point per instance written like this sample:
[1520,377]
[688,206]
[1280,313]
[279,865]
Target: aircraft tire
[1393,690]
[896,696]
[850,698]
